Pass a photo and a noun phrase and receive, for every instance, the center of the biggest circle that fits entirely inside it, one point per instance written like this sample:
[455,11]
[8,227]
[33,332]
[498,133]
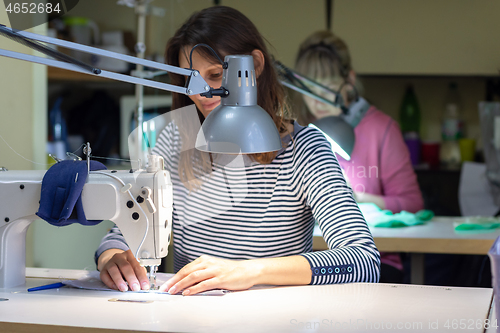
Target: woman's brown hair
[228,32]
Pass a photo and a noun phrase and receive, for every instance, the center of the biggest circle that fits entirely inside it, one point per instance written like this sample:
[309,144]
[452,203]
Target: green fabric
[478,223]
[424,215]
[375,217]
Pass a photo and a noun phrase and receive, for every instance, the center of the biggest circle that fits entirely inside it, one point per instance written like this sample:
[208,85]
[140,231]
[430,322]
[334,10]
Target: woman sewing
[266,236]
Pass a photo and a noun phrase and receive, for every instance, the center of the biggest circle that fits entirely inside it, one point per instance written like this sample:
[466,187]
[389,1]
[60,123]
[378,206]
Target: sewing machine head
[139,203]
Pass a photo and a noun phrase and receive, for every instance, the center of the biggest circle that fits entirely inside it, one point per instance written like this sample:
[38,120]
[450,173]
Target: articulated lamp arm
[337,131]
[195,83]
[298,82]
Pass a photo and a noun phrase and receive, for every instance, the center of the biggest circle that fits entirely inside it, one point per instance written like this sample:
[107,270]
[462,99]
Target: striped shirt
[247,210]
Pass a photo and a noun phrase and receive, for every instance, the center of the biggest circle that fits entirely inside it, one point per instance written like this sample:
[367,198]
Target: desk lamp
[237,125]
[337,131]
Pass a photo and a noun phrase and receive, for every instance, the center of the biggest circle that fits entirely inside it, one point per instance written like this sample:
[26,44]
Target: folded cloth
[376,217]
[478,223]
[60,196]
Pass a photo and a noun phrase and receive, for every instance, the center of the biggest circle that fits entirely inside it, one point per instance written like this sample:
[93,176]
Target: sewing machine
[139,203]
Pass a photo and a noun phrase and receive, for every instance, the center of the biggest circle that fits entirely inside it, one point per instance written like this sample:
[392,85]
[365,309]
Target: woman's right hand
[119,268]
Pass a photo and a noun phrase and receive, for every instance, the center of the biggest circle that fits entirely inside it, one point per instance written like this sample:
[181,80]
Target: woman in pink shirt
[380,169]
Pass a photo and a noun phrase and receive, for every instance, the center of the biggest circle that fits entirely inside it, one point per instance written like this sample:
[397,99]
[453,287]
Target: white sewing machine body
[104,198]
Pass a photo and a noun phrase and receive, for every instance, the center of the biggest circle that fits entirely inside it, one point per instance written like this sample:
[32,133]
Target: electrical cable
[224,64]
[24,158]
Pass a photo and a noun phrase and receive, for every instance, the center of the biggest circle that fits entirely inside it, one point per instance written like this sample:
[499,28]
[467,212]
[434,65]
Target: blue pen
[48,286]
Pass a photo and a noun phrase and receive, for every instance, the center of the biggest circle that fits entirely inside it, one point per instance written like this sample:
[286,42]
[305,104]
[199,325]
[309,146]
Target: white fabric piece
[93,282]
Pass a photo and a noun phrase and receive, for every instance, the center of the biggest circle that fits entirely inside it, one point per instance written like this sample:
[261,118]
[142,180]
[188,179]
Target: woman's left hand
[207,272]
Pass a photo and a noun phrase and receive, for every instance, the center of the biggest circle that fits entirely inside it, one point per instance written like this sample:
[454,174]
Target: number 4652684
[470,324]
[32,8]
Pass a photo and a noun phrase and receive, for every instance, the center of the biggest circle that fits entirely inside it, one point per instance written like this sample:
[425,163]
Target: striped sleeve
[352,254]
[113,240]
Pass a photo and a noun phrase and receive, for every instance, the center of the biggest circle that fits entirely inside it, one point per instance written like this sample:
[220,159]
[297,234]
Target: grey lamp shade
[339,133]
[238,124]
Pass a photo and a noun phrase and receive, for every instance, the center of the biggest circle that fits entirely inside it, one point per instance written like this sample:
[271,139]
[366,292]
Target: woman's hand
[206,273]
[119,268]
[373,198]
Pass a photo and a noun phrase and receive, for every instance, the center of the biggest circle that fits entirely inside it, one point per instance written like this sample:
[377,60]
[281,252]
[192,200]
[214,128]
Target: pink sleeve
[399,182]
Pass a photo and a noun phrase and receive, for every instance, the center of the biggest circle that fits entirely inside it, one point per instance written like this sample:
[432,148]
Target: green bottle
[409,114]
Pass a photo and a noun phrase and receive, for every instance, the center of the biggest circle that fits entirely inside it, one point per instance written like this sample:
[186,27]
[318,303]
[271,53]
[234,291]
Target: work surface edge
[435,236]
[265,309]
[420,245]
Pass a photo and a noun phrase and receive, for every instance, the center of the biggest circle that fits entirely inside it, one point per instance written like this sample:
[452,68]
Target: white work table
[356,307]
[435,236]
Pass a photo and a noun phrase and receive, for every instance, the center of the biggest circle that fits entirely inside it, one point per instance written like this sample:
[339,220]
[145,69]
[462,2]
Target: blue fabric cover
[62,187]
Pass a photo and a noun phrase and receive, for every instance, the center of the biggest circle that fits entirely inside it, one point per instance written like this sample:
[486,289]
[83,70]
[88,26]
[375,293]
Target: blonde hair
[323,55]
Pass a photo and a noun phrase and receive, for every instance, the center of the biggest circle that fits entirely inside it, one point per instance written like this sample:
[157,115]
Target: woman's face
[319,109]
[211,73]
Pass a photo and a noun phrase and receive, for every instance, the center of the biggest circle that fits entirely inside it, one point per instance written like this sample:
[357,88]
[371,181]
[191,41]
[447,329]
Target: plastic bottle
[409,113]
[409,116]
[452,124]
[451,128]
